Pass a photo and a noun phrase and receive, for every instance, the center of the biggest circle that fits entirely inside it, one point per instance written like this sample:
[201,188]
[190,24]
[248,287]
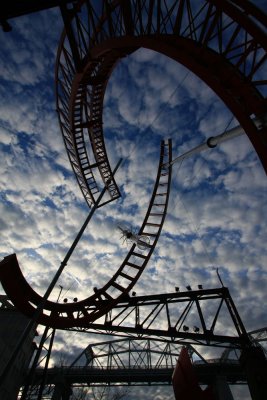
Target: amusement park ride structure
[130,236]
[224,43]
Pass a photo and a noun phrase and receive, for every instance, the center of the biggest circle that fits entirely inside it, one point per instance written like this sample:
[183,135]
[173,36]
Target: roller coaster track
[80,314]
[223,42]
[80,110]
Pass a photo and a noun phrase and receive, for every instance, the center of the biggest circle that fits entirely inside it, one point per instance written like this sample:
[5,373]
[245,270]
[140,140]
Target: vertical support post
[148,354]
[235,316]
[30,376]
[62,390]
[42,385]
[129,352]
[221,388]
[109,356]
[255,365]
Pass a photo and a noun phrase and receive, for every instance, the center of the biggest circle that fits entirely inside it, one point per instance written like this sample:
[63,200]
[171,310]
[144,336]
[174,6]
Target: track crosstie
[83,312]
[223,42]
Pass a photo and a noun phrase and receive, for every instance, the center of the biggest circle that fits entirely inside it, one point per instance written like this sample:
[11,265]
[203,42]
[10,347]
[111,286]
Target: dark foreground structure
[12,325]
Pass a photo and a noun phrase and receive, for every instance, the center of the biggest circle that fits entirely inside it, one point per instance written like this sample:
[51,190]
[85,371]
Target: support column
[221,388]
[62,390]
[255,366]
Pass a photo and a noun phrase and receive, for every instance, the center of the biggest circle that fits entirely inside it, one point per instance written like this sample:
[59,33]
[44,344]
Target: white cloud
[217,206]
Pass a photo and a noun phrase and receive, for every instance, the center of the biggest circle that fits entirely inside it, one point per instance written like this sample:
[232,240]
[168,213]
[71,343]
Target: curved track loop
[80,106]
[221,41]
[80,314]
[224,42]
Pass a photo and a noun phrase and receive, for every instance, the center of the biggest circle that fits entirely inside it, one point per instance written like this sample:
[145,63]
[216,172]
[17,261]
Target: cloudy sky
[217,210]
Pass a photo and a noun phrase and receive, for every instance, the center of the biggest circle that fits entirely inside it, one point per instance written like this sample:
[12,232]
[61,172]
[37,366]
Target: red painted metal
[90,309]
[185,383]
[223,42]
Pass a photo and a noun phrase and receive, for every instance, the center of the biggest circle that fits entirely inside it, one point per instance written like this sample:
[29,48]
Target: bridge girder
[196,317]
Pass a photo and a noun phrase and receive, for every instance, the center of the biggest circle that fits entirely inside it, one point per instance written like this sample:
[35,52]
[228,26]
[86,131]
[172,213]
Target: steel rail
[83,312]
[79,106]
[213,141]
[221,41]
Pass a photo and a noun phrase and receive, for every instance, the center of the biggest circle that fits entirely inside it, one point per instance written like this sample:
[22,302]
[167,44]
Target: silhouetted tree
[99,393]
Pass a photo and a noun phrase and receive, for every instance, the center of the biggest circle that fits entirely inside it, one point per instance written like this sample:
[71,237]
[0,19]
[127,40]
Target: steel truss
[223,42]
[138,362]
[258,335]
[89,376]
[42,356]
[135,361]
[196,317]
[133,353]
[17,8]
[142,360]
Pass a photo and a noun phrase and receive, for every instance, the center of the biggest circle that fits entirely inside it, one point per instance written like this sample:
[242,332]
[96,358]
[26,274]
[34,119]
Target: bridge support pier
[255,366]
[62,390]
[221,388]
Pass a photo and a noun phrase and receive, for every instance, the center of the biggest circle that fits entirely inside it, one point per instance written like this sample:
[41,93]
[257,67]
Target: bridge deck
[91,375]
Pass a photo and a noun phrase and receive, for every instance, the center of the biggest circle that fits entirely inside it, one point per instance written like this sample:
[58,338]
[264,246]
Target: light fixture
[196,329]
[177,289]
[188,287]
[185,328]
[75,299]
[65,300]
[133,294]
[200,287]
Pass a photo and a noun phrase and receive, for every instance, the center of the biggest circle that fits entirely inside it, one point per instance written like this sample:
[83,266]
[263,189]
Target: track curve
[223,42]
[81,313]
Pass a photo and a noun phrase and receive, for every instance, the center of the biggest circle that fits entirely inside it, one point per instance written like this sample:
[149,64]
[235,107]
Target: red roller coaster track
[223,42]
[83,312]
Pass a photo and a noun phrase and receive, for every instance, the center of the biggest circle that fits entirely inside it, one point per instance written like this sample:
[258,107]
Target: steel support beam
[206,373]
[146,311]
[81,313]
[16,8]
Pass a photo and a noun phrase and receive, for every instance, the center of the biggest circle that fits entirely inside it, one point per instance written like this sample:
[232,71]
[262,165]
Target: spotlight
[65,300]
[200,287]
[188,287]
[185,328]
[95,289]
[177,289]
[75,299]
[133,294]
[196,329]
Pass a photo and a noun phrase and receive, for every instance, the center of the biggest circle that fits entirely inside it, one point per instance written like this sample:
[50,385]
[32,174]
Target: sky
[217,210]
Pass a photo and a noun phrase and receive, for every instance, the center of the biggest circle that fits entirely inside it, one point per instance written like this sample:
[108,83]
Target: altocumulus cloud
[217,207]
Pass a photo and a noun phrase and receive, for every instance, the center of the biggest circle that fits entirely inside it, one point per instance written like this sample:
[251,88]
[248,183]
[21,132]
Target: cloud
[217,202]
